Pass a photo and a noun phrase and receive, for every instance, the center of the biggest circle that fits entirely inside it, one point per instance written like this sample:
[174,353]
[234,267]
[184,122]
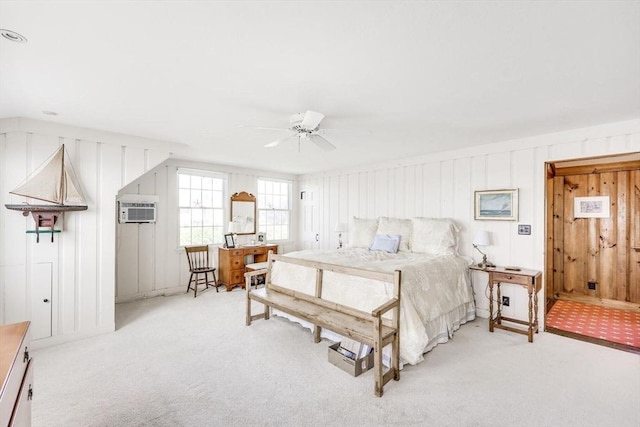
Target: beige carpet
[180,361]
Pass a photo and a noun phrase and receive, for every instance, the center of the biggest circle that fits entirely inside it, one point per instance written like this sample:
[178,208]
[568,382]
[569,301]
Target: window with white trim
[274,208]
[201,196]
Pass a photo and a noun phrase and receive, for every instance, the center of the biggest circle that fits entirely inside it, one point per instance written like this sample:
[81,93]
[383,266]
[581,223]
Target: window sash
[274,208]
[201,196]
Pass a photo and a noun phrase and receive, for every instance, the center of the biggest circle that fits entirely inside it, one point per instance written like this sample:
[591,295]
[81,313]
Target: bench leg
[395,361]
[248,310]
[316,333]
[377,369]
[377,357]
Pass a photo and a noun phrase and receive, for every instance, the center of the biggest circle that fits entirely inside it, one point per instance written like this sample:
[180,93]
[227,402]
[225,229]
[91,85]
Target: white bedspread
[436,294]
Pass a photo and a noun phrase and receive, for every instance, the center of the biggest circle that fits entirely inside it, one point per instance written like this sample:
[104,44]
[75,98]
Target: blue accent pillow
[385,242]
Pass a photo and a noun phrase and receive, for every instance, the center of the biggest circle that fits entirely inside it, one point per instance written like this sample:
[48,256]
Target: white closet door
[41,304]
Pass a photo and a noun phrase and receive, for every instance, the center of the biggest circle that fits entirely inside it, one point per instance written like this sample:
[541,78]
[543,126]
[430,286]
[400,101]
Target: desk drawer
[255,251]
[21,416]
[511,278]
[236,262]
[235,252]
[14,349]
[236,276]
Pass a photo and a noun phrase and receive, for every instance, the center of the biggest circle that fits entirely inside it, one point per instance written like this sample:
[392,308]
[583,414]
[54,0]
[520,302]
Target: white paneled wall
[75,272]
[78,272]
[150,261]
[443,185]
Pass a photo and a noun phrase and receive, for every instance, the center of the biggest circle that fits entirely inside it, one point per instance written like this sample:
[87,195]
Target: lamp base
[485,263]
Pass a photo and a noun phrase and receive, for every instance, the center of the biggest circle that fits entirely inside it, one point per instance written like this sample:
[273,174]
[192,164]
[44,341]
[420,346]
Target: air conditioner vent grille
[137,205]
[137,209]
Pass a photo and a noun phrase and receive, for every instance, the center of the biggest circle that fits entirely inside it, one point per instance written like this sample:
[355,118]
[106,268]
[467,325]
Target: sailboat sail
[54,181]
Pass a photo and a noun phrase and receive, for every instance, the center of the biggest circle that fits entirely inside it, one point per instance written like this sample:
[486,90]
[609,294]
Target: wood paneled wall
[600,250]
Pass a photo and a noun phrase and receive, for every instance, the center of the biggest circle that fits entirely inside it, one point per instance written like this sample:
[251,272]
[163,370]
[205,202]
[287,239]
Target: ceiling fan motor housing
[296,121]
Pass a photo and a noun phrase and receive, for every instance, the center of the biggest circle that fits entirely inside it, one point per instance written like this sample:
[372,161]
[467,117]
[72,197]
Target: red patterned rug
[602,323]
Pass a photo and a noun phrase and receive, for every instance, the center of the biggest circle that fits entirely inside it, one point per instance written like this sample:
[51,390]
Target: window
[274,208]
[201,203]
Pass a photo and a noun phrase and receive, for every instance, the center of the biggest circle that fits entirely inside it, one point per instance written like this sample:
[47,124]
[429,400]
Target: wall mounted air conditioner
[137,208]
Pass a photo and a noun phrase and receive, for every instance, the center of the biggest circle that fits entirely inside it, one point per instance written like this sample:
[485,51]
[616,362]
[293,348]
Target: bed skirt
[439,330]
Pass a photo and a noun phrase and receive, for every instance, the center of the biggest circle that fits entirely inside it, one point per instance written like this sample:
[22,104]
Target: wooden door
[310,235]
[41,304]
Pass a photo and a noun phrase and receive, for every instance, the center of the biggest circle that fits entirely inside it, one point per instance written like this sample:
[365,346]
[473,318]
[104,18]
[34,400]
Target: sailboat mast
[63,186]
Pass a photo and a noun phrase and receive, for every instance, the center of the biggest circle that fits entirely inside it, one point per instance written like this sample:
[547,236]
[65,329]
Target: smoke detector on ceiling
[13,36]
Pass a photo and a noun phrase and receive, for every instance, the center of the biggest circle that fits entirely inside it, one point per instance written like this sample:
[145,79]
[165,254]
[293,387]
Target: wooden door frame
[587,165]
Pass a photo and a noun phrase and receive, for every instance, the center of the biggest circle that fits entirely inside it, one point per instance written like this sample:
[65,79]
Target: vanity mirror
[243,213]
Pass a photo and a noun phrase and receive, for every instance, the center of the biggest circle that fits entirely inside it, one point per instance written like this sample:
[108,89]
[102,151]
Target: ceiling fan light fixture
[306,127]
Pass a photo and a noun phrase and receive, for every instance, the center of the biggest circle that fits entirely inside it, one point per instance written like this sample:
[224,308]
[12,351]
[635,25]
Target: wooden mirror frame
[244,204]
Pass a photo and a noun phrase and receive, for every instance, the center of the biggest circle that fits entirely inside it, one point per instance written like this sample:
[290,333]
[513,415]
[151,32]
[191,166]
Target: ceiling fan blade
[261,128]
[278,141]
[321,142]
[311,120]
[351,131]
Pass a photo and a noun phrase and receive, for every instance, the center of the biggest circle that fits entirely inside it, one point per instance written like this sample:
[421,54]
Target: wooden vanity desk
[231,263]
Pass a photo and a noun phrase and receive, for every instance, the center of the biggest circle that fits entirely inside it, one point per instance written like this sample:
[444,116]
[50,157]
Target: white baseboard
[159,293]
[482,312]
[74,336]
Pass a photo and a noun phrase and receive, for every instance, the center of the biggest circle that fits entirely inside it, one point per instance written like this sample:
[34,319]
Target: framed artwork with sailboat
[55,186]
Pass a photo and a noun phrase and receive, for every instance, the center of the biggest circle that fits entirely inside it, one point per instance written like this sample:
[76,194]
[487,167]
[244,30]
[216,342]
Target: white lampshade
[482,238]
[341,227]
[232,228]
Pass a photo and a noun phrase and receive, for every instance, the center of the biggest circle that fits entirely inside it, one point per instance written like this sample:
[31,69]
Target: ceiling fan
[305,127]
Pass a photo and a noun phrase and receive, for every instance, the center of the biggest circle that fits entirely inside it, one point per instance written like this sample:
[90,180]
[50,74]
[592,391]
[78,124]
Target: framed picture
[591,207]
[229,242]
[501,205]
[261,238]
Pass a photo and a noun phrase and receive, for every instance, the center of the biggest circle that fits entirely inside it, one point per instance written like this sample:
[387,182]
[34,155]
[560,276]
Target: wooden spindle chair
[198,257]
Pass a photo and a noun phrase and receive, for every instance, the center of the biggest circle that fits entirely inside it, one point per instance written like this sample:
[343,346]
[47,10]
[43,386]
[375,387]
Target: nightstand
[529,279]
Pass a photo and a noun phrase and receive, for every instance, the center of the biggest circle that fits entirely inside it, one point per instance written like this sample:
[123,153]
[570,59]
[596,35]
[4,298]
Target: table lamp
[233,229]
[341,227]
[482,238]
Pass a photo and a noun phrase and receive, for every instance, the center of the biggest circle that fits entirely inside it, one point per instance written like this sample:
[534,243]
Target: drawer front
[511,278]
[21,416]
[255,251]
[236,276]
[235,252]
[14,380]
[236,262]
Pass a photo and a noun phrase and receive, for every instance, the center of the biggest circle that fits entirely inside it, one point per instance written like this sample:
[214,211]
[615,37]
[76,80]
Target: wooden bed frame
[368,328]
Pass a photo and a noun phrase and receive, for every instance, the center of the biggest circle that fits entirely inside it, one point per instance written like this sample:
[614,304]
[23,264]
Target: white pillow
[361,232]
[385,242]
[396,226]
[437,236]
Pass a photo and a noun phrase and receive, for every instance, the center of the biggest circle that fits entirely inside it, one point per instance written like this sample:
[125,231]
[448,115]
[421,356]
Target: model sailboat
[54,183]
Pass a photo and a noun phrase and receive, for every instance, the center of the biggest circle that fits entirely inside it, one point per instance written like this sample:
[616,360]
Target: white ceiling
[406,78]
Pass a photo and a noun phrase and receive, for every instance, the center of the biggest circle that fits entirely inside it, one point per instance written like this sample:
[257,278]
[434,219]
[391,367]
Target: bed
[436,295]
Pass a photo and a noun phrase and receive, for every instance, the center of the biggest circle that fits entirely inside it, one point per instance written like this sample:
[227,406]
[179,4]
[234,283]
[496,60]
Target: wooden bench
[368,328]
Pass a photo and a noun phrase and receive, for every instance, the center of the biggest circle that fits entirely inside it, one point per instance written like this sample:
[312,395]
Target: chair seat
[203,270]
[256,266]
